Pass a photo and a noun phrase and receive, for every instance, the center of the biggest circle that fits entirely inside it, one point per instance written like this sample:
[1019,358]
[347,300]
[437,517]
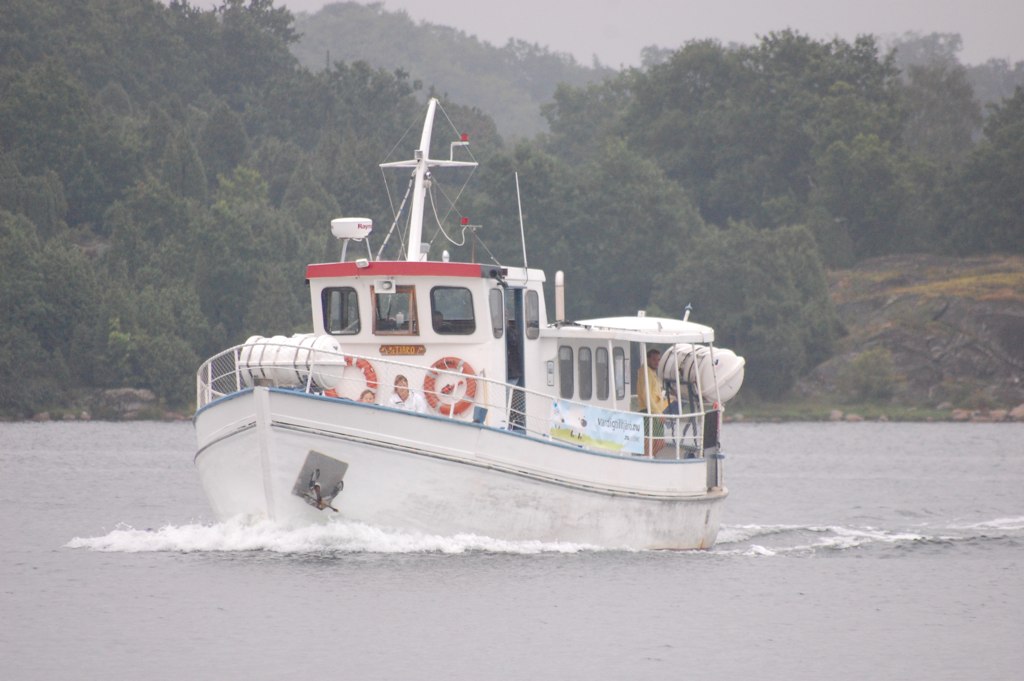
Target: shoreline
[854,412]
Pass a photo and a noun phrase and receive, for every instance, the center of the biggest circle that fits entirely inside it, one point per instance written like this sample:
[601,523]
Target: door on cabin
[515,374]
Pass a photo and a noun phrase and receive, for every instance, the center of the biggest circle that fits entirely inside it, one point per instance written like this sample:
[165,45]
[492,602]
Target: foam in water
[774,540]
[333,537]
[1014,523]
[350,537]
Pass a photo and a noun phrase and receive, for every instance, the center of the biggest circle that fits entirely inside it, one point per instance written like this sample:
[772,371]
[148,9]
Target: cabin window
[532,315]
[619,368]
[586,364]
[565,377]
[340,310]
[451,310]
[497,321]
[394,313]
[601,367]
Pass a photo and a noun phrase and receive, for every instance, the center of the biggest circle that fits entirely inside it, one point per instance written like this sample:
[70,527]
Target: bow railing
[455,391]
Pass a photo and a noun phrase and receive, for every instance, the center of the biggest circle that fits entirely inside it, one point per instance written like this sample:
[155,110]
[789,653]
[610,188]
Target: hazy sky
[616,30]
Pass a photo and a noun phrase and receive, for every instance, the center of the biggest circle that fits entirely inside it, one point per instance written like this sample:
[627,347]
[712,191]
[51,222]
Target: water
[849,551]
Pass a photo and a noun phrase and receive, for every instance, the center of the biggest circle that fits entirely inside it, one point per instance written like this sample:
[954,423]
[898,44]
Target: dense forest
[166,172]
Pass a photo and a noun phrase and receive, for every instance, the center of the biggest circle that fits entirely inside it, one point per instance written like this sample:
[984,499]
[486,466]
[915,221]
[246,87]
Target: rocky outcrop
[125,404]
[114,404]
[952,330]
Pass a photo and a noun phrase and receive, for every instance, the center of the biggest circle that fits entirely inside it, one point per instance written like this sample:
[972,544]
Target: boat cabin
[476,342]
[422,312]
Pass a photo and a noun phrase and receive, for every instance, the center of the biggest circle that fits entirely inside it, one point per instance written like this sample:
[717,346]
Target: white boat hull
[254,450]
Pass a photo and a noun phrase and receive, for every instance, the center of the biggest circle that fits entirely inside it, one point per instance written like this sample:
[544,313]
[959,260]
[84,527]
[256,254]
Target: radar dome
[351,228]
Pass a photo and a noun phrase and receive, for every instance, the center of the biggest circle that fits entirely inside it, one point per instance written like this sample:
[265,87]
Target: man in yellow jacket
[650,399]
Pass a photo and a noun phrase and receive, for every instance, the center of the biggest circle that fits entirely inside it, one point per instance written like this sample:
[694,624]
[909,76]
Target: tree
[253,46]
[995,80]
[767,293]
[182,168]
[985,212]
[933,49]
[549,198]
[303,186]
[581,116]
[942,114]
[741,128]
[166,364]
[23,282]
[678,118]
[227,249]
[41,316]
[629,229]
[44,117]
[223,144]
[861,187]
[275,307]
[40,199]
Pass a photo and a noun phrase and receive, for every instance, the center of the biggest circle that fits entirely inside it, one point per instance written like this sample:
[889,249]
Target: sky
[615,31]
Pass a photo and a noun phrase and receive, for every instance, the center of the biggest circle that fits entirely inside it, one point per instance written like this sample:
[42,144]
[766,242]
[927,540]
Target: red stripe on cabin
[387,268]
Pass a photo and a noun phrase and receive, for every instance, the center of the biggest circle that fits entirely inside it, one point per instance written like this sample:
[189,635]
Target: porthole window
[619,369]
[586,374]
[497,318]
[601,372]
[532,315]
[565,373]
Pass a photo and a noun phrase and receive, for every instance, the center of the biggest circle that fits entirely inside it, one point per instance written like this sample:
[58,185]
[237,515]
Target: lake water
[848,551]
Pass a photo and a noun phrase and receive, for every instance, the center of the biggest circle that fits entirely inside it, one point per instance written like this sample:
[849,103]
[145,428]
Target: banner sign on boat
[392,350]
[612,431]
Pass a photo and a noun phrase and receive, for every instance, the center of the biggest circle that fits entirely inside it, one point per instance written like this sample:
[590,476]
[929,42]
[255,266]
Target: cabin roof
[420,268]
[387,268]
[638,329]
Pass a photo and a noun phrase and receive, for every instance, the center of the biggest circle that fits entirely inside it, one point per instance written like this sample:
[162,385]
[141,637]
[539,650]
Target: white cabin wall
[539,351]
[484,353]
[481,350]
[623,403]
[315,291]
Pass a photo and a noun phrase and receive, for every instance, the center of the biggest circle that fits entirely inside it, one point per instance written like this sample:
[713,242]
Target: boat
[440,397]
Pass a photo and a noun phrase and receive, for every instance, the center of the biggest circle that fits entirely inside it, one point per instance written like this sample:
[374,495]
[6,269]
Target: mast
[422,158]
[421,164]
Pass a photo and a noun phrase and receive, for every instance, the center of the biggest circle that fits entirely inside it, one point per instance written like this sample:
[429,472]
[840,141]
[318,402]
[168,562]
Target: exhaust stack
[559,296]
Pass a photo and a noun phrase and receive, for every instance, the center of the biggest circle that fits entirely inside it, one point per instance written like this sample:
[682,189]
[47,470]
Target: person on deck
[651,400]
[649,395]
[403,398]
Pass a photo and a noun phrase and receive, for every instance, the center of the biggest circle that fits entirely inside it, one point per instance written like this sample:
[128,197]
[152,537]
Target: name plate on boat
[403,350]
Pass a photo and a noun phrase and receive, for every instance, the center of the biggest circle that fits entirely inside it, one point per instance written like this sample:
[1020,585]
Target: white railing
[461,396]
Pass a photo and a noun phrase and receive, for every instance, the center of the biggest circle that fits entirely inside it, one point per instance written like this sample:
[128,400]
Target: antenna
[522,231]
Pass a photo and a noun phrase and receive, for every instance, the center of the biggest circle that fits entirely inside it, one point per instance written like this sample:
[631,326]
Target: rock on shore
[952,327]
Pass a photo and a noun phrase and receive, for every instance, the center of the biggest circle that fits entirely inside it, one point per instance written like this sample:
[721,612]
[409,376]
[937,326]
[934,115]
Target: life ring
[369,375]
[434,396]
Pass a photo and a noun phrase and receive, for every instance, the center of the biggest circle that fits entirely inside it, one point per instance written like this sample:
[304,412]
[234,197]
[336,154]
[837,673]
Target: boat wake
[345,537]
[333,538]
[777,540]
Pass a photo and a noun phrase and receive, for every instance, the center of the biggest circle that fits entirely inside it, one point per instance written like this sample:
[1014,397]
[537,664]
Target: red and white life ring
[443,399]
[369,375]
